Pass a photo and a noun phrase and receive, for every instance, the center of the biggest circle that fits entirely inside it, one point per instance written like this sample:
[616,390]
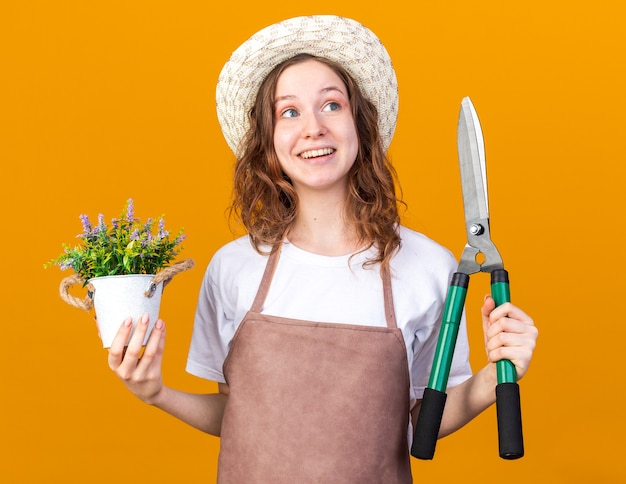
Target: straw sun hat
[339,39]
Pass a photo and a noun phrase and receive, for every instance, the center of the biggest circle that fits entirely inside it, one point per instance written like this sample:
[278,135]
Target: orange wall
[101,101]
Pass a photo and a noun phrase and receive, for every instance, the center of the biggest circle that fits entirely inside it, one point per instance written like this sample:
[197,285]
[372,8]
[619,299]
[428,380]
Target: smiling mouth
[307,155]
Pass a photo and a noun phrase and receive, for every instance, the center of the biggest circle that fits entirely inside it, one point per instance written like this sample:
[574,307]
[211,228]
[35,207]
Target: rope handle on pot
[166,275]
[86,303]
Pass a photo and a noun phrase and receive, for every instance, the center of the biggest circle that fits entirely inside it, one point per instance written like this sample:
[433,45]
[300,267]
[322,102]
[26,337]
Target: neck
[320,226]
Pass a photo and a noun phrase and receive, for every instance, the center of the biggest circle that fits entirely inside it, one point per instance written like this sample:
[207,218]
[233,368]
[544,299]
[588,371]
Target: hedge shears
[479,255]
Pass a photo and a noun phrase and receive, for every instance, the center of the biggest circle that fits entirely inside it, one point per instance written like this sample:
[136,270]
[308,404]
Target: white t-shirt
[318,288]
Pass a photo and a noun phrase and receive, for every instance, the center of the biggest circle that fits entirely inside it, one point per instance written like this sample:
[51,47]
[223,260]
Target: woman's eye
[289,113]
[332,106]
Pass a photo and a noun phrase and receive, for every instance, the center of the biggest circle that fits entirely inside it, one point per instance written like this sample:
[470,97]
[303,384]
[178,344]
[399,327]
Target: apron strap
[264,286]
[270,268]
[390,313]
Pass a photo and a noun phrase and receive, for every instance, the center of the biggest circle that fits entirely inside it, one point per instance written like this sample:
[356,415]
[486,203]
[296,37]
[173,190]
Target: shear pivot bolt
[476,229]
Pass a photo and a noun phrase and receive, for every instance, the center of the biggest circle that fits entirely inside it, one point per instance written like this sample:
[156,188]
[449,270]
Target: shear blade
[474,182]
[471,148]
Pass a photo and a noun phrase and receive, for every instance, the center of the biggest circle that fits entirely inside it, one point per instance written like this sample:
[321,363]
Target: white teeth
[314,153]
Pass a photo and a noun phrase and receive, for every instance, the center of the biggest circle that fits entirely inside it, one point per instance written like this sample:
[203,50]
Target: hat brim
[339,39]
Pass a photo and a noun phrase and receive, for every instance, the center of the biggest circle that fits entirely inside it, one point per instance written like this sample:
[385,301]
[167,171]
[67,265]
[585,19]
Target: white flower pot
[117,297]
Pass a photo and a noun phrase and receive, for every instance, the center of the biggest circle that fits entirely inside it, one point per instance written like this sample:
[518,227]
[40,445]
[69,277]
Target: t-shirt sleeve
[212,333]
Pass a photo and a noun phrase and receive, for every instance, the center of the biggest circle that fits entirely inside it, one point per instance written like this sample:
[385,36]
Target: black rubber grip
[460,279]
[508,409]
[428,423]
[499,275]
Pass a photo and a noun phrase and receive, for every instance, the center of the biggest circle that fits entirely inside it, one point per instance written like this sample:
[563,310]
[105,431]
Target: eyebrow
[322,91]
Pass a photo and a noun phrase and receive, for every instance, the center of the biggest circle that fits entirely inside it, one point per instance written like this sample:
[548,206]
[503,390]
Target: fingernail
[128,322]
[159,324]
[145,318]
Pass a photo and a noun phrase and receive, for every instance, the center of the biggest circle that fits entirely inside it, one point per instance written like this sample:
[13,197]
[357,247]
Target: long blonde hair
[265,201]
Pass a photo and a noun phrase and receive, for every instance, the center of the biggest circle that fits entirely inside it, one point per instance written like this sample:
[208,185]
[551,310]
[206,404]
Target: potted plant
[124,267]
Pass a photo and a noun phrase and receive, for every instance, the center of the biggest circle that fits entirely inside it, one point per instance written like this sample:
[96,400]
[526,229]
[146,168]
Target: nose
[313,126]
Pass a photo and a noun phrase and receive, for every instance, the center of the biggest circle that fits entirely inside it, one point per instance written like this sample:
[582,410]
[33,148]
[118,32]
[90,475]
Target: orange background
[102,101]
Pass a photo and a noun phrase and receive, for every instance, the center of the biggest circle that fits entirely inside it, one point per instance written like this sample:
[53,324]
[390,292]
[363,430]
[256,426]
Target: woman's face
[315,137]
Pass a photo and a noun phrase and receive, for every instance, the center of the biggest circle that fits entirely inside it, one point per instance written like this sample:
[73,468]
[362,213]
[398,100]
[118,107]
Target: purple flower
[130,210]
[86,224]
[100,228]
[114,223]
[134,235]
[161,232]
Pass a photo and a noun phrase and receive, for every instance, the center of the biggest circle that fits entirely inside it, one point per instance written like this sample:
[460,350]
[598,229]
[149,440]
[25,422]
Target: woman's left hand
[510,334]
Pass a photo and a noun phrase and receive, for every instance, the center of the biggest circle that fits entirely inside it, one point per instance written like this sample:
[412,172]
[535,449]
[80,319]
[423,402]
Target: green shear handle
[434,400]
[508,407]
[507,391]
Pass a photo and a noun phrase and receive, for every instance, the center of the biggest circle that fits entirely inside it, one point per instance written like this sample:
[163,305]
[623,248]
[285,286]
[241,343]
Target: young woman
[319,325]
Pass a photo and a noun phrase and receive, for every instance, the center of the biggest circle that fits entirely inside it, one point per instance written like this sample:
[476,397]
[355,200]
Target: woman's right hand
[139,368]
